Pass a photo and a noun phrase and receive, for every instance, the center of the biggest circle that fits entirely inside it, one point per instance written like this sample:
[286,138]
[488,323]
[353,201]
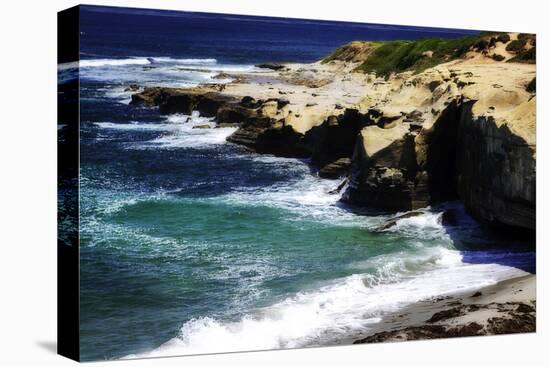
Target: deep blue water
[120,32]
[190,244]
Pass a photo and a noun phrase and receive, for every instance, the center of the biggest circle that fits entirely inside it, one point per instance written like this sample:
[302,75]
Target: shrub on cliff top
[504,38]
[525,36]
[516,45]
[529,56]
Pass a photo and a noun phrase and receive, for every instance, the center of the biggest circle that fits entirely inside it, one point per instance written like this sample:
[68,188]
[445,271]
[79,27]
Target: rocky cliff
[464,128]
[472,137]
[496,166]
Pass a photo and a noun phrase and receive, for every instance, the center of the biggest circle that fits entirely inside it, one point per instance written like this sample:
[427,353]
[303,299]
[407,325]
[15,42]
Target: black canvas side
[68,336]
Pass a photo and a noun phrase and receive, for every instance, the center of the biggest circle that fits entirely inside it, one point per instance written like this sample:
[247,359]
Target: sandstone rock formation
[475,141]
[462,129]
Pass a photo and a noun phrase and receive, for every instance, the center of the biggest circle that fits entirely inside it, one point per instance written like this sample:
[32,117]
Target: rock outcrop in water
[262,124]
[384,172]
[461,129]
[173,100]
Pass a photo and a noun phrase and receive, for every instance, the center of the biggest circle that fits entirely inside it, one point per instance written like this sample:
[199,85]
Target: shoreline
[398,142]
[506,307]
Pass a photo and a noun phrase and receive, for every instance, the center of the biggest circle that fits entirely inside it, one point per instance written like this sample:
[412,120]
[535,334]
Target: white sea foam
[346,306]
[120,94]
[182,134]
[185,138]
[308,197]
[427,220]
[90,63]
[427,225]
[182,61]
[153,71]
[180,118]
[204,64]
[137,126]
[150,71]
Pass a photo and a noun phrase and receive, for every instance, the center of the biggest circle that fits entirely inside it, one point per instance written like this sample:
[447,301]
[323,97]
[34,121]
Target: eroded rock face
[496,172]
[488,165]
[335,169]
[471,139]
[331,144]
[385,172]
[263,127]
[171,100]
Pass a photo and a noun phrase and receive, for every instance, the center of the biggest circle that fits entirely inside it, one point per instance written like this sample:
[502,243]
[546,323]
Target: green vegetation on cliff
[386,57]
[529,56]
[524,48]
[397,56]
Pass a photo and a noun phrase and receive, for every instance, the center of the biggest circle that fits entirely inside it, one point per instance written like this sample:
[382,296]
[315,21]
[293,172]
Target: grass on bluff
[386,57]
[397,56]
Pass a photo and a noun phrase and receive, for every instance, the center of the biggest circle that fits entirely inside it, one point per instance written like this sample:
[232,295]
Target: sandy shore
[504,308]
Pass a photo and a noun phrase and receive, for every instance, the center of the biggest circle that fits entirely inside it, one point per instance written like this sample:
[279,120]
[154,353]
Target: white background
[28,181]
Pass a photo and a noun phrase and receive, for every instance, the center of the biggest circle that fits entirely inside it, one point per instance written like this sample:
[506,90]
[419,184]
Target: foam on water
[136,126]
[113,62]
[119,94]
[153,60]
[151,71]
[427,225]
[309,196]
[192,138]
[96,63]
[341,308]
[181,133]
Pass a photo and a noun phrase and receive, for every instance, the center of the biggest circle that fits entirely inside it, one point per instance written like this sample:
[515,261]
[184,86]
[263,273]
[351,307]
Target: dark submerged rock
[339,188]
[392,222]
[270,65]
[132,88]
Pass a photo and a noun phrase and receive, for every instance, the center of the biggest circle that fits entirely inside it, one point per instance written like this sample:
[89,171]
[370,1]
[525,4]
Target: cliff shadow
[441,158]
[480,243]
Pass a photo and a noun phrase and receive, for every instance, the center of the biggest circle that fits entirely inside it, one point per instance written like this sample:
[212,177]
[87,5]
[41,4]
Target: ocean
[190,244]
